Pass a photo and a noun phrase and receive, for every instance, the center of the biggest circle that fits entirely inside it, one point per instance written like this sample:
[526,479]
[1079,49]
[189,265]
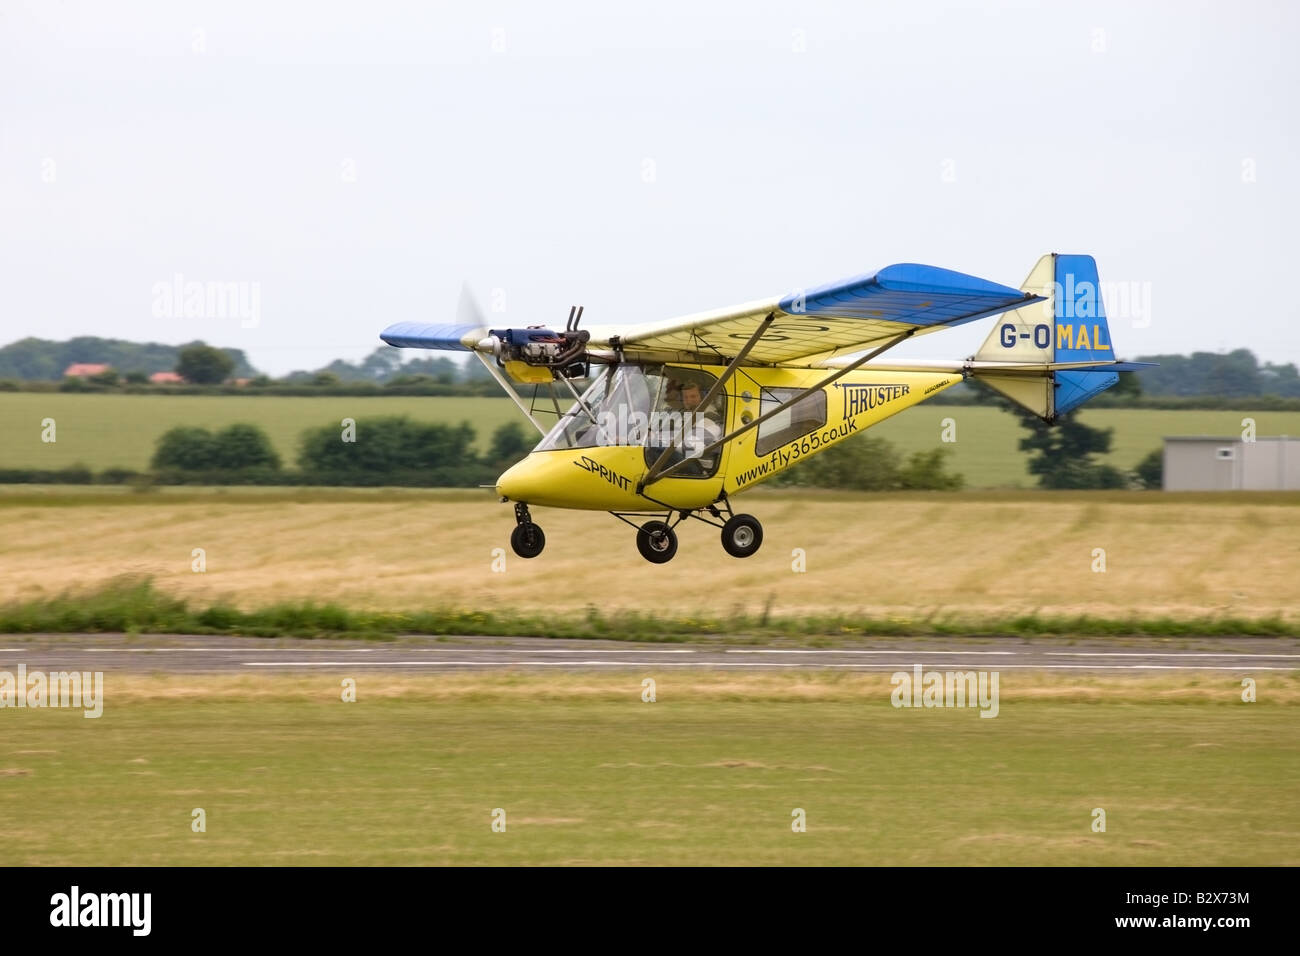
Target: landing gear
[656,541]
[741,535]
[527,538]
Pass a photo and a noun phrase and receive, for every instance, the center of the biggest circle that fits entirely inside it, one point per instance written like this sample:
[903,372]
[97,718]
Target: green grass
[709,774]
[134,605]
[107,431]
[121,431]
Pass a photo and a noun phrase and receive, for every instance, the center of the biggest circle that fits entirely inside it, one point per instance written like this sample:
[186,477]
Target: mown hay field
[986,553]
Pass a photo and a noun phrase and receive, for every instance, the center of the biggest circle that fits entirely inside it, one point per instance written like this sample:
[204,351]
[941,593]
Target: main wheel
[741,536]
[656,541]
[527,540]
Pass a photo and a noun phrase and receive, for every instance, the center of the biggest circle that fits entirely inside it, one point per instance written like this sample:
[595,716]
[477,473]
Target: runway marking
[334,650]
[501,664]
[907,653]
[195,650]
[559,650]
[1163,654]
[708,664]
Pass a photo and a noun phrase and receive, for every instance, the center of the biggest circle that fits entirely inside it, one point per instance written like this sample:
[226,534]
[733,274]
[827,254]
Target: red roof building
[83,369]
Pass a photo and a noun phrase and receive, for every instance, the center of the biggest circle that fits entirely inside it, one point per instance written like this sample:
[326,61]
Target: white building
[1209,463]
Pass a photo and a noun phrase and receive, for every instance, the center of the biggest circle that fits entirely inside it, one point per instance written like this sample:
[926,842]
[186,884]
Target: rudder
[1068,325]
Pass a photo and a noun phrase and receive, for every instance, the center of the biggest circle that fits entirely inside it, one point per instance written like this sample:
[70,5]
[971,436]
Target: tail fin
[1067,326]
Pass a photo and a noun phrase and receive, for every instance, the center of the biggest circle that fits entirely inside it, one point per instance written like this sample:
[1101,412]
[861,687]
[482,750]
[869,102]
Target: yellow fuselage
[607,478]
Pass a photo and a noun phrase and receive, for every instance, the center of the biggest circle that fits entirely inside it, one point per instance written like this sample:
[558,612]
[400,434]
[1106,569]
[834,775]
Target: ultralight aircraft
[681,415]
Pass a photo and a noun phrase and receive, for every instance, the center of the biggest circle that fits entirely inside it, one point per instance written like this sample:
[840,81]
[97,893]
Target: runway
[182,654]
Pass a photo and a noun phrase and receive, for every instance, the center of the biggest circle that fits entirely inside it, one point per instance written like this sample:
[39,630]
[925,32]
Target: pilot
[702,425]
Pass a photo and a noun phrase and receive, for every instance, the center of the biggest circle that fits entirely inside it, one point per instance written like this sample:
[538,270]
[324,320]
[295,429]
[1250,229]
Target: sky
[336,167]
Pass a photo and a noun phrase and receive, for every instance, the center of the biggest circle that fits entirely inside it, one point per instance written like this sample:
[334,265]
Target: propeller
[468,311]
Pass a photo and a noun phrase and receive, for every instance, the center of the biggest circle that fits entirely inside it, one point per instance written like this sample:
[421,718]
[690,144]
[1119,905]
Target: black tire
[527,540]
[741,536]
[657,542]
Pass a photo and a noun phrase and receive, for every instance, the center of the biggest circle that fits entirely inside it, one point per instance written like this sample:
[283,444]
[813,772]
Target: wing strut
[721,383]
[510,390]
[655,474]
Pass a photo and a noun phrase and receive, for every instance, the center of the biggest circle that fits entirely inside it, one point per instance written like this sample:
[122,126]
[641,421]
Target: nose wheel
[527,538]
[657,542]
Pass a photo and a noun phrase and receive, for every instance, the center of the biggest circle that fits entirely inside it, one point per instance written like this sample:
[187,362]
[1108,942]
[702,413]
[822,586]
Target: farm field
[120,431]
[709,774]
[968,553]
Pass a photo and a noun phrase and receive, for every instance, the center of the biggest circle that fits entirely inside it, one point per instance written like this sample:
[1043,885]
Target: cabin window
[806,415]
[679,420]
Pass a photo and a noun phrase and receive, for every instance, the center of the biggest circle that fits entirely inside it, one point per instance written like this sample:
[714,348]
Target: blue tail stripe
[1081,334]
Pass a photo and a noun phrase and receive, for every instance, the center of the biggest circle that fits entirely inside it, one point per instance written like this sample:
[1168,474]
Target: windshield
[614,411]
[651,406]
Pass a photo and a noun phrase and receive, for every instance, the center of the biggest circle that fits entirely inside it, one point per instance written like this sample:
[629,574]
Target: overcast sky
[351,164]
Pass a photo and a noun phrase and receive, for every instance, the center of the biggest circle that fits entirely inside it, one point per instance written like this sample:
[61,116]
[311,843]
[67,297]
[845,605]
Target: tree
[394,450]
[1150,470]
[244,446]
[33,359]
[204,365]
[509,444]
[872,464]
[924,471]
[865,463]
[184,448]
[1062,452]
[235,448]
[441,369]
[1129,386]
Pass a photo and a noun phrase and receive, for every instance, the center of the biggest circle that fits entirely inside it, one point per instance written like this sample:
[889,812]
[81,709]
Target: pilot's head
[691,396]
[686,394]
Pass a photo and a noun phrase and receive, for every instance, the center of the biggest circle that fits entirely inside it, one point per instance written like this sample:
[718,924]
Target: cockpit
[650,406]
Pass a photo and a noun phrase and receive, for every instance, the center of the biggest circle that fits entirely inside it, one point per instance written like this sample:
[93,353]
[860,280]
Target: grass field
[121,431]
[709,774]
[912,555]
[105,431]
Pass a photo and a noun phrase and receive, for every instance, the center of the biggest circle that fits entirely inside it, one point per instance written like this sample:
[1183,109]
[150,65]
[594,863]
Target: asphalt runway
[182,654]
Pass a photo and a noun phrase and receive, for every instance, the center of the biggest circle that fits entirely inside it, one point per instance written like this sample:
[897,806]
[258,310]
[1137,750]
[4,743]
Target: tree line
[28,363]
[394,450]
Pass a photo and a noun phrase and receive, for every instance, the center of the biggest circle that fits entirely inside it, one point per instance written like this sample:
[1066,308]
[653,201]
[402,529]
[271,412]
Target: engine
[535,354]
